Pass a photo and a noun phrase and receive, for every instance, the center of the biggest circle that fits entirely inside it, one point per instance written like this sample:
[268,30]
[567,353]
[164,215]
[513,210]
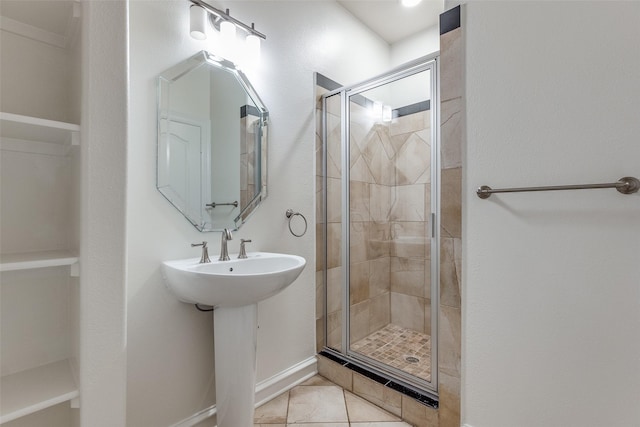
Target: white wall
[551,296]
[170,351]
[102,248]
[421,44]
[450,4]
[32,70]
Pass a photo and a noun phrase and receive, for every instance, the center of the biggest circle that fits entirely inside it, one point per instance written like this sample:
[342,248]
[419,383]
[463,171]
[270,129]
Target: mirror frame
[164,80]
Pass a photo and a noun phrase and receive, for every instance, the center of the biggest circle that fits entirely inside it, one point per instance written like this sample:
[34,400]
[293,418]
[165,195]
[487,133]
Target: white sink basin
[233,283]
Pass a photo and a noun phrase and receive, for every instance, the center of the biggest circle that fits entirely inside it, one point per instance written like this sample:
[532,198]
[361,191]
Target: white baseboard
[265,390]
[285,380]
[196,418]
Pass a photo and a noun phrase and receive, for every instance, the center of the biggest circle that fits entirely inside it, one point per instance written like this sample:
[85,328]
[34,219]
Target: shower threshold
[380,377]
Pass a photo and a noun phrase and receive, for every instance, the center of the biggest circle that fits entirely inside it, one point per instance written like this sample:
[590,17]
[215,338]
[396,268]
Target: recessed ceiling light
[409,3]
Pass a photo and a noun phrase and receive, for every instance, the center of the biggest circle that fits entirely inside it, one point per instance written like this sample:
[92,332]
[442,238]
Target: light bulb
[228,31]
[252,43]
[198,22]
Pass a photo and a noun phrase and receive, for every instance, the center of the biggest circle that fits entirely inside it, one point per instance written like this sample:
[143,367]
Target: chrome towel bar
[214,204]
[626,185]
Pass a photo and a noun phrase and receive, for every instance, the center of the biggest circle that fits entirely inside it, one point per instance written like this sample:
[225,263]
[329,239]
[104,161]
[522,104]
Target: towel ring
[290,214]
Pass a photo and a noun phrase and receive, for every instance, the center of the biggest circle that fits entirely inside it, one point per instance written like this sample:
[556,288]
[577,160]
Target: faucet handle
[243,252]
[205,252]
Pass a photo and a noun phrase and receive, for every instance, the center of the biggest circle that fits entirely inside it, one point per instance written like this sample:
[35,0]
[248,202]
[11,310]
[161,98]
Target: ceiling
[392,21]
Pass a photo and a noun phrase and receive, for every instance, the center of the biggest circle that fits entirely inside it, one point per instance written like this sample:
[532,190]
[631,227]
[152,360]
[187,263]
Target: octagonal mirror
[212,142]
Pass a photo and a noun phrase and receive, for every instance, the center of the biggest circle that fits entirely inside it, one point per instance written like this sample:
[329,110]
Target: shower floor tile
[401,348]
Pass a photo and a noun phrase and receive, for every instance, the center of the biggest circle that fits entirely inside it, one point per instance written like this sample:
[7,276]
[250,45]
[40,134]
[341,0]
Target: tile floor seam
[346,407]
[347,397]
[286,415]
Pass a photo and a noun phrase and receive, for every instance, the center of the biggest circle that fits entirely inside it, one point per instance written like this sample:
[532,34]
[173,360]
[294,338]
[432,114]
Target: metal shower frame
[427,63]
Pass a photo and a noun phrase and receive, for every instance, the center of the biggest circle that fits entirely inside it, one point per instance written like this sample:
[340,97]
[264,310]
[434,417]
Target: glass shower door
[390,217]
[381,178]
[333,272]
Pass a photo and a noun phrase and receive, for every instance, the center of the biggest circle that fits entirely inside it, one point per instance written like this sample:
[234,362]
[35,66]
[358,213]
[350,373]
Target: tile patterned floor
[320,403]
[404,349]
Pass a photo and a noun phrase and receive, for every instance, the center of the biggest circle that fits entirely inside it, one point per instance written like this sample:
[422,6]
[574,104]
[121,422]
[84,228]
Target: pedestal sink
[233,288]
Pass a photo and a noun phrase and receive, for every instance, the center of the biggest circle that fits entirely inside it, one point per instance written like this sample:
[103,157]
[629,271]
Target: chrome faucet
[224,252]
[205,252]
[243,252]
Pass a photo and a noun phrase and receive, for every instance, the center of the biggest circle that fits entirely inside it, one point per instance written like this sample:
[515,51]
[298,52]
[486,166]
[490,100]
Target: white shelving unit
[26,128]
[35,389]
[40,214]
[31,260]
[32,390]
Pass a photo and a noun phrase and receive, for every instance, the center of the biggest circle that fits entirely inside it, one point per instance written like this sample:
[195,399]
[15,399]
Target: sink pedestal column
[235,334]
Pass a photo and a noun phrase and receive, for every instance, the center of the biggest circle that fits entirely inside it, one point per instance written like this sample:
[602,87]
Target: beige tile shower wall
[389,205]
[449,325]
[390,197]
[371,180]
[410,251]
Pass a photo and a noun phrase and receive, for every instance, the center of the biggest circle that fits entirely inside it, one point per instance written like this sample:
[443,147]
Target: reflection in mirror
[212,142]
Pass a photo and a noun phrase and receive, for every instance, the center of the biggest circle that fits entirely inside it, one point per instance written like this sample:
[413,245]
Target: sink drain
[411,359]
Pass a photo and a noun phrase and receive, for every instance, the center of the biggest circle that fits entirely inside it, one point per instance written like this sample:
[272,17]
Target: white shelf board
[33,390]
[16,126]
[30,260]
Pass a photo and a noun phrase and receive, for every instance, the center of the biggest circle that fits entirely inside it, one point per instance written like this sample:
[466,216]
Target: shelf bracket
[75,403]
[75,138]
[74,269]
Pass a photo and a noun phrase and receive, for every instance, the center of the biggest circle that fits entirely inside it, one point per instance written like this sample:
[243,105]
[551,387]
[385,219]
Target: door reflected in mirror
[212,142]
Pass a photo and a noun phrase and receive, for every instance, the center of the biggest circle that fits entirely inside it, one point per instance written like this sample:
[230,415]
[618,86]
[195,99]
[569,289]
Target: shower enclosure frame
[427,63]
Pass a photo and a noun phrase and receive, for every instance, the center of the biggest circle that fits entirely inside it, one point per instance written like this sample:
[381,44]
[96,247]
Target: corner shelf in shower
[31,260]
[33,129]
[30,391]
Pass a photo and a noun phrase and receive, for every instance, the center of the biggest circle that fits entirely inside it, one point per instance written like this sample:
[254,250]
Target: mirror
[212,142]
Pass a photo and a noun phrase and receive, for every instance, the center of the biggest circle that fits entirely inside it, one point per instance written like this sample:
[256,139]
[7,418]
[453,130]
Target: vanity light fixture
[252,43]
[227,31]
[198,22]
[226,24]
[410,3]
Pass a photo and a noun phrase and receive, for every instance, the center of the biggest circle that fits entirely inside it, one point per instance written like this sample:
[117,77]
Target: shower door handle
[433,225]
